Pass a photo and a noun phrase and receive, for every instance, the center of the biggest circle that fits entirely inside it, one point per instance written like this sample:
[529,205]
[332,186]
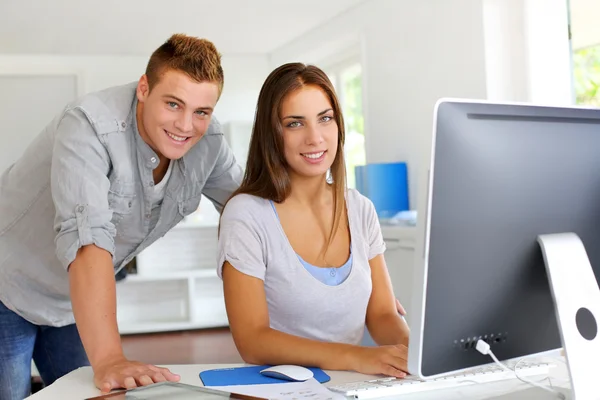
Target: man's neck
[159,172]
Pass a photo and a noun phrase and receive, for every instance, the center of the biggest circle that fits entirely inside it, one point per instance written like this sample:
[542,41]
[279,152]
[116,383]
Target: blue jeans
[56,352]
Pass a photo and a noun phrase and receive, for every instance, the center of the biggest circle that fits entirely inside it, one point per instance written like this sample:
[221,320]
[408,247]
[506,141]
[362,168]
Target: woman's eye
[326,118]
[294,124]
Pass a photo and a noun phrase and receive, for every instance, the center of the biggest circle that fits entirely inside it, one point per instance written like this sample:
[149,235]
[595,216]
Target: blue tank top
[329,276]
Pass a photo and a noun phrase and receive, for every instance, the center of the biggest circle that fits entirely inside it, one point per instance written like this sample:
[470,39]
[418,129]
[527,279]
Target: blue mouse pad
[248,376]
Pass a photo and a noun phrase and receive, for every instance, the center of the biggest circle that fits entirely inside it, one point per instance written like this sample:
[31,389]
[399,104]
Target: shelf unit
[176,286]
[400,258]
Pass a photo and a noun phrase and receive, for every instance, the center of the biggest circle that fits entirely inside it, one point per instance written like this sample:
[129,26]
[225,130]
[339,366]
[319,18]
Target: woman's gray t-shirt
[252,240]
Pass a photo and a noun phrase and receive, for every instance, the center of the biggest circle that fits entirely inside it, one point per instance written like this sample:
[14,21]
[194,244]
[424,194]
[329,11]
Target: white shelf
[175,275]
[170,301]
[153,327]
[195,223]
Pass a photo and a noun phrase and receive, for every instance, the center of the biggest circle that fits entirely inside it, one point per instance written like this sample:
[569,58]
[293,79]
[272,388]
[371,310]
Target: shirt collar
[149,156]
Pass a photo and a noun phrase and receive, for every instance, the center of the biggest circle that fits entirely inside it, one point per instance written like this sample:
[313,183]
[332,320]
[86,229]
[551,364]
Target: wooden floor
[208,346]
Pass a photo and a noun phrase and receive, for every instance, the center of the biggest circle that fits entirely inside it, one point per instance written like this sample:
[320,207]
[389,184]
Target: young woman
[301,256]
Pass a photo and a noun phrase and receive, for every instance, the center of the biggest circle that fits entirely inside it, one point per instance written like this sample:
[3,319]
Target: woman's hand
[386,360]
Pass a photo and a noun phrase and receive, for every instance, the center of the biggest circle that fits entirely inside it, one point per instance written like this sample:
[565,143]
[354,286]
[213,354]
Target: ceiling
[137,27]
[585,27]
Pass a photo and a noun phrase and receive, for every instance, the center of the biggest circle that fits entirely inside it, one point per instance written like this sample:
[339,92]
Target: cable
[516,366]
[484,349]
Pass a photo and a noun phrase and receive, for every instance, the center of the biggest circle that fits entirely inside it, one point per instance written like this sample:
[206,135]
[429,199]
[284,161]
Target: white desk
[79,384]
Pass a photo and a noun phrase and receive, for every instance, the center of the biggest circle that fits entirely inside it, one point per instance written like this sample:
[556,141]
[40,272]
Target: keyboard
[411,384]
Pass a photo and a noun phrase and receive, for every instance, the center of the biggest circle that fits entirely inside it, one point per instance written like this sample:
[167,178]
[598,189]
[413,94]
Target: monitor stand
[577,303]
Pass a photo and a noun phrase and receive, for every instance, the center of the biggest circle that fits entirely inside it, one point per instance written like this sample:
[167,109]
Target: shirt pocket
[120,204]
[189,206]
[179,210]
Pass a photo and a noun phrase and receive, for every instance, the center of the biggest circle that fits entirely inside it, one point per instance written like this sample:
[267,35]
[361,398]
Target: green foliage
[586,71]
[353,103]
[353,120]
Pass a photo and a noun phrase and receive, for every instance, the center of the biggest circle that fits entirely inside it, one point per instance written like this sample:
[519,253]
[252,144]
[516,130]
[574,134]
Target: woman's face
[310,132]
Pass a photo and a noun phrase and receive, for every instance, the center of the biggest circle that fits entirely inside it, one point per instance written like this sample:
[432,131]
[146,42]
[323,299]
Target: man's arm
[224,179]
[93,295]
[85,246]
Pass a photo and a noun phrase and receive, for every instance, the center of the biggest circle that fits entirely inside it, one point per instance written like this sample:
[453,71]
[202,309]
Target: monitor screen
[499,176]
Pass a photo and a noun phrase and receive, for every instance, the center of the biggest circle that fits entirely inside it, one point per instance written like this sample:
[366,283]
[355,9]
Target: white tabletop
[79,384]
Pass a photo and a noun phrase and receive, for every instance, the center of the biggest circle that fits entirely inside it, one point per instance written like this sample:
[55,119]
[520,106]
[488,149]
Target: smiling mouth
[176,138]
[314,156]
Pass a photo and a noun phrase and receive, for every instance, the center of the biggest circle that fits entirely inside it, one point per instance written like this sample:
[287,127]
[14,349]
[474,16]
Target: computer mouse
[292,373]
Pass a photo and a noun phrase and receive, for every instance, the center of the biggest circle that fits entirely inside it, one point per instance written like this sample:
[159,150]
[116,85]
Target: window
[586,71]
[347,80]
[584,35]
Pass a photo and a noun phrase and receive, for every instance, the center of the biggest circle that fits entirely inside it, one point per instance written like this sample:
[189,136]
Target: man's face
[175,115]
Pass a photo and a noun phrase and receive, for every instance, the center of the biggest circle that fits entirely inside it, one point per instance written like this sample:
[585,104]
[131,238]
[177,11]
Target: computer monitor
[499,175]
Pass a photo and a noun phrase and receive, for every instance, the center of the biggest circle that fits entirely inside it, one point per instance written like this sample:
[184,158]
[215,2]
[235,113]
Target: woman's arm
[383,321]
[246,304]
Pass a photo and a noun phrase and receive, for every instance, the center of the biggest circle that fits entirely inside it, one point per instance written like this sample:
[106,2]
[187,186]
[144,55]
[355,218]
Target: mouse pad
[248,376]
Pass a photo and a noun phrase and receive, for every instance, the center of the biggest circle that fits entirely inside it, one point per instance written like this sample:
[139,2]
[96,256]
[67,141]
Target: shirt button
[123,124]
[151,183]
[332,272]
[129,204]
[153,159]
[148,215]
[79,209]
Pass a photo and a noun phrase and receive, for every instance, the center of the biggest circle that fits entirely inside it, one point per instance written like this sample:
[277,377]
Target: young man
[112,173]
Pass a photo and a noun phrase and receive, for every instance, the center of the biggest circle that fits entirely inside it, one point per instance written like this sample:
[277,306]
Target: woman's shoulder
[358,203]
[245,205]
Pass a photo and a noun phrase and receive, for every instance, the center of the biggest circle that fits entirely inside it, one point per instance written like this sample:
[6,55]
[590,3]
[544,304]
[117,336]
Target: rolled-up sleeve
[79,184]
[225,178]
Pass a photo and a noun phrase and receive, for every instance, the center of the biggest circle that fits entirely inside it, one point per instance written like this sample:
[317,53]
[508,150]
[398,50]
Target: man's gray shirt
[87,179]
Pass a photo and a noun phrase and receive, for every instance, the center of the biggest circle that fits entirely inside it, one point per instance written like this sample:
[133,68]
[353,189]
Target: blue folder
[386,185]
[248,376]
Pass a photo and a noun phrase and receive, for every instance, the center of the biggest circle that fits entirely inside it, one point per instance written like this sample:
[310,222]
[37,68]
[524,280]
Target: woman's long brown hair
[266,172]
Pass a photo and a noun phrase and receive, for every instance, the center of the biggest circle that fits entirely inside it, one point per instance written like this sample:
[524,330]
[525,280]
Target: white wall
[26,104]
[528,54]
[505,50]
[414,52]
[244,76]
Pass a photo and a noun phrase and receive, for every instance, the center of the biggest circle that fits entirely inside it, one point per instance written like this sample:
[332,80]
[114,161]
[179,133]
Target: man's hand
[400,309]
[120,373]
